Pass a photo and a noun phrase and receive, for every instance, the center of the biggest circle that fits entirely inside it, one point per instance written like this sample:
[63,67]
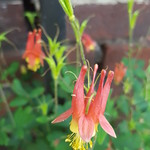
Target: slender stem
[6,105]
[130,54]
[78,39]
[77,58]
[82,52]
[130,46]
[55,92]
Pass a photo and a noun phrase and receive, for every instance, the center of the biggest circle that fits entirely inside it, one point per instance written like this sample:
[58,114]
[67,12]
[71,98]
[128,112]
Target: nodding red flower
[120,71]
[88,42]
[88,111]
[33,53]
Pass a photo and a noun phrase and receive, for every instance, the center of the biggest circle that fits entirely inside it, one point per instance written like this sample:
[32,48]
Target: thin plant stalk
[56,94]
[6,105]
[78,39]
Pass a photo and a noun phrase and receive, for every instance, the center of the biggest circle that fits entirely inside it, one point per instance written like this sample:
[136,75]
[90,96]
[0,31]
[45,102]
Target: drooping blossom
[88,42]
[33,54]
[120,71]
[88,111]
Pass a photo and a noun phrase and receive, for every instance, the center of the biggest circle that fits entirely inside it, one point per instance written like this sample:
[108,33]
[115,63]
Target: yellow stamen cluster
[77,143]
[36,65]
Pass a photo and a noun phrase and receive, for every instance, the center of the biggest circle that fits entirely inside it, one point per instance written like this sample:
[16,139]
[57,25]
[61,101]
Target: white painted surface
[81,2]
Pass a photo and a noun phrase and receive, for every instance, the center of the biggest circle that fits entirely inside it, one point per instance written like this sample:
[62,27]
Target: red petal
[95,106]
[91,90]
[78,95]
[40,32]
[37,49]
[87,42]
[86,128]
[106,91]
[32,59]
[63,116]
[106,126]
[30,41]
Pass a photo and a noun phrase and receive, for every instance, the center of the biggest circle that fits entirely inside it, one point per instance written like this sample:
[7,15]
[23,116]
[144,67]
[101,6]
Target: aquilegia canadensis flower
[33,53]
[88,42]
[120,71]
[88,111]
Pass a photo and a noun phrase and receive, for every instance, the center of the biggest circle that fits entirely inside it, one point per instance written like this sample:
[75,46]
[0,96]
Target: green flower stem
[55,92]
[6,105]
[77,58]
[130,49]
[82,52]
[75,27]
[67,7]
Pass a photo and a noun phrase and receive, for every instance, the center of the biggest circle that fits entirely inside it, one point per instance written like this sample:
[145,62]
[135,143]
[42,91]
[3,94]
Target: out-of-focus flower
[120,71]
[91,45]
[33,54]
[88,111]
[88,42]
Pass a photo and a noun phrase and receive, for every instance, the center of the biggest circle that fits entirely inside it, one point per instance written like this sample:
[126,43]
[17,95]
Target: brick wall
[109,27]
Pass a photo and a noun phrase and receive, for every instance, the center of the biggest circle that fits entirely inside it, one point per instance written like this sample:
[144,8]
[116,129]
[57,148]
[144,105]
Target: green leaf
[55,134]
[83,26]
[147,89]
[130,5]
[31,17]
[44,108]
[52,65]
[59,53]
[101,135]
[57,139]
[134,18]
[127,141]
[36,92]
[18,88]
[20,133]
[59,67]
[66,83]
[42,119]
[123,127]
[123,105]
[64,6]
[4,139]
[23,117]
[38,144]
[10,71]
[69,7]
[110,111]
[18,101]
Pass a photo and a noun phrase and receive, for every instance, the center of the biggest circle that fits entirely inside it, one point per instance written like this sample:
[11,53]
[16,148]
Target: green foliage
[132,15]
[55,59]
[18,88]
[83,26]
[147,89]
[33,110]
[101,135]
[67,7]
[31,17]
[10,71]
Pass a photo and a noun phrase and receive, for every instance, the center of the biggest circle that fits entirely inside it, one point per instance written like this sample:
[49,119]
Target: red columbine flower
[88,43]
[88,111]
[120,71]
[33,53]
